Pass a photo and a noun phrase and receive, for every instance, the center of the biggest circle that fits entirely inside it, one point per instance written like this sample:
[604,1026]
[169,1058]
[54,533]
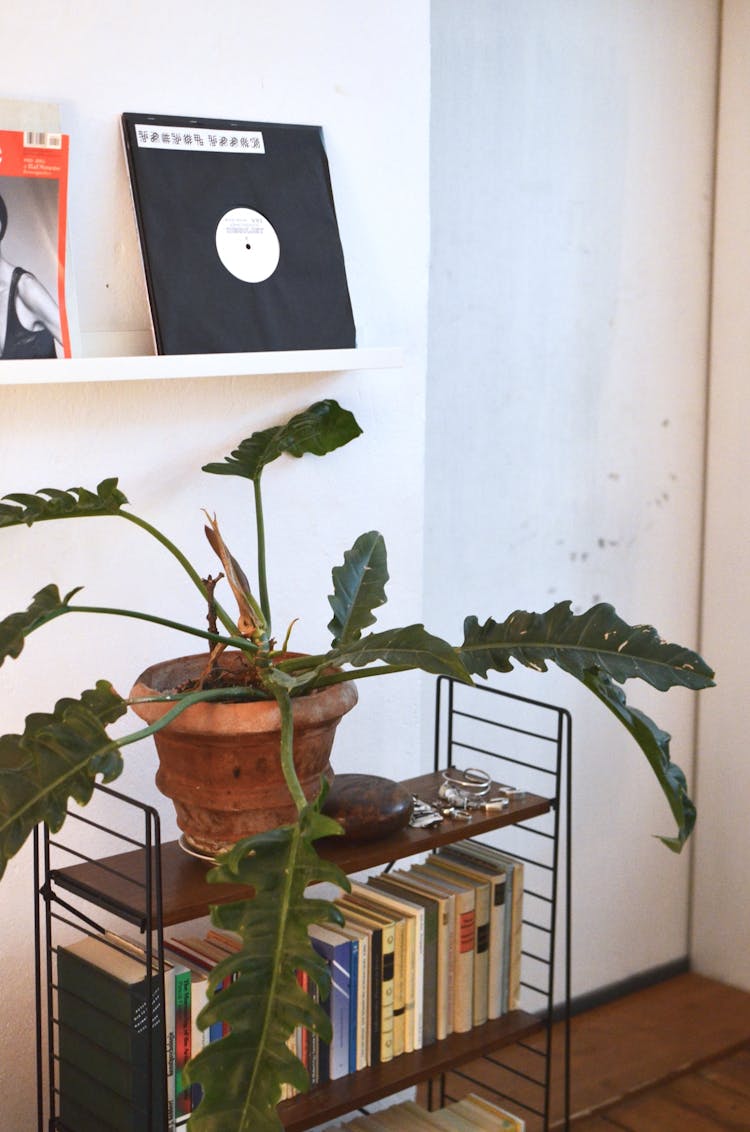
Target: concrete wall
[721,906]
[572,151]
[323,63]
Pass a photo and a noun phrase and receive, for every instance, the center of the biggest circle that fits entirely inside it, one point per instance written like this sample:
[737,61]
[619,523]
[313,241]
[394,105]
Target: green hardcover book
[106,1036]
[108,1106]
[79,1119]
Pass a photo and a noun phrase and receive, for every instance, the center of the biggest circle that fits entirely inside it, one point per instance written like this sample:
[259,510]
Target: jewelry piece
[464,789]
[424,815]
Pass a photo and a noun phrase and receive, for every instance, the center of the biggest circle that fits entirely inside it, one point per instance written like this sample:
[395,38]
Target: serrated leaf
[318,430]
[597,639]
[16,627]
[410,647]
[655,745]
[242,1074]
[57,758]
[53,503]
[358,588]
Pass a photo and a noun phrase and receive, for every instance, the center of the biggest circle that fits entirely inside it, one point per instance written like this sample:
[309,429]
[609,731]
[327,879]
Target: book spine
[399,988]
[353,1004]
[463,990]
[341,975]
[482,955]
[183,1039]
[376,996]
[170,1035]
[497,935]
[516,931]
[387,993]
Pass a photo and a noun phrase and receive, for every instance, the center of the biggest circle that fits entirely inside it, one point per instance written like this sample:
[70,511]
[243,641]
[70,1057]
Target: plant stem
[283,699]
[261,541]
[192,573]
[337,676]
[216,638]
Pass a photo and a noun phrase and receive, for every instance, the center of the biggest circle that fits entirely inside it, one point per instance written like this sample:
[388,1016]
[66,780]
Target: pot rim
[316,706]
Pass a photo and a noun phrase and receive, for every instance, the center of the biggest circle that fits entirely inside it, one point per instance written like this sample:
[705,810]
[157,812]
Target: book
[411,1116]
[445,902]
[33,232]
[381,976]
[463,943]
[336,949]
[398,885]
[191,998]
[110,1017]
[239,236]
[488,1116]
[360,1019]
[448,1121]
[496,873]
[460,870]
[513,930]
[393,986]
[414,919]
[206,955]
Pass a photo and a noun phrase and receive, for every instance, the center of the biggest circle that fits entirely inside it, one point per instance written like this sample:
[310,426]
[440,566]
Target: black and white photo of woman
[29,315]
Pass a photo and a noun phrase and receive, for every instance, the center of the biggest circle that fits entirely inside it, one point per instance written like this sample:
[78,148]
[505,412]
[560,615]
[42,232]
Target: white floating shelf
[61,371]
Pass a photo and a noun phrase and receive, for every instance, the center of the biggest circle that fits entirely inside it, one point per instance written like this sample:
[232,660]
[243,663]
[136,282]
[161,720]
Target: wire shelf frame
[526,744]
[64,912]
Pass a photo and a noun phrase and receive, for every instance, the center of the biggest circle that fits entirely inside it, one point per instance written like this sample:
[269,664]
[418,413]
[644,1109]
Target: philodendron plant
[62,753]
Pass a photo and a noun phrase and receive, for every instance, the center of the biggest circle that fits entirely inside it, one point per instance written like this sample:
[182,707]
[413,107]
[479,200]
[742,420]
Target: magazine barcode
[34,139]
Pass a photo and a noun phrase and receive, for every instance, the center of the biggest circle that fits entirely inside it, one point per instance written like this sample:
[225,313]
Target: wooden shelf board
[328,1101]
[117,882]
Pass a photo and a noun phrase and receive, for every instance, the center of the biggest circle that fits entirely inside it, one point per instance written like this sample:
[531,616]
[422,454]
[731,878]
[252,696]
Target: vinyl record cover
[239,237]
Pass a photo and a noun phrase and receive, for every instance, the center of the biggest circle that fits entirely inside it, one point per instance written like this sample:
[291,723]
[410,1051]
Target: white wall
[571,158]
[721,910]
[363,73]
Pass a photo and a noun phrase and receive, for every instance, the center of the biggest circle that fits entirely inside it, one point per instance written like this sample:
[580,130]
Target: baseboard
[633,983]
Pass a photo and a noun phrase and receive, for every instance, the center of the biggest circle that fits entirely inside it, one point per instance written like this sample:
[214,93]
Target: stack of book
[116,1063]
[472,1114]
[423,952]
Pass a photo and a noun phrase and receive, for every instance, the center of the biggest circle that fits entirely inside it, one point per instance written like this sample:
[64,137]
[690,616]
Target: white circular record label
[247,245]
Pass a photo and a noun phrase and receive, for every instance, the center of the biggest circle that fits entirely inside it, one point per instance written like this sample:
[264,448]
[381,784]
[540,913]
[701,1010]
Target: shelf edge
[65,371]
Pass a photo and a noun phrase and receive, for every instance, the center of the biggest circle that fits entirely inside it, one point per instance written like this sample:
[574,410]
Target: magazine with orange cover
[33,211]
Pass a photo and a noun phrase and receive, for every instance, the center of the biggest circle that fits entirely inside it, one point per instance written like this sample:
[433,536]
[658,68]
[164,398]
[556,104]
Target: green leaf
[52,503]
[597,639]
[57,758]
[241,1075]
[655,744]
[318,430]
[358,588]
[411,647]
[16,627]
[597,648]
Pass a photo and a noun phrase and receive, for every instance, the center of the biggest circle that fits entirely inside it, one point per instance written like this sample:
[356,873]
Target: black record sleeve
[221,203]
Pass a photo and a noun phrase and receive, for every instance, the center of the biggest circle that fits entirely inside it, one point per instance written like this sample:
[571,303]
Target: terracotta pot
[219,763]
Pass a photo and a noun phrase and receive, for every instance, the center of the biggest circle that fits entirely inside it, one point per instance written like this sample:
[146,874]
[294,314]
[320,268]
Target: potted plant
[61,753]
